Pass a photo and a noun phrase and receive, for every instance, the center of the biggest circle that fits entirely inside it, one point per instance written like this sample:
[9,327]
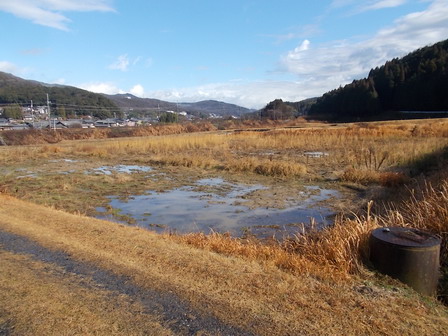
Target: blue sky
[246,52]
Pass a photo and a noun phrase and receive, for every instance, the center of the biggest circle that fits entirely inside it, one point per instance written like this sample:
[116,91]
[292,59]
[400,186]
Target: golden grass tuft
[361,176]
[426,209]
[93,150]
[185,161]
[345,244]
[364,176]
[261,296]
[86,148]
[275,254]
[334,252]
[280,168]
[266,167]
[342,247]
[50,149]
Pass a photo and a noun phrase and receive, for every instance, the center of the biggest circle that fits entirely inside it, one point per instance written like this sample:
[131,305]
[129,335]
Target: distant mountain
[278,109]
[7,80]
[215,107]
[65,100]
[129,102]
[416,82]
[303,107]
[70,100]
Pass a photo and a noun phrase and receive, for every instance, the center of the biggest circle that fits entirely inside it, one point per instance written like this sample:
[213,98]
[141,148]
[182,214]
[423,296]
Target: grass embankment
[251,292]
[41,299]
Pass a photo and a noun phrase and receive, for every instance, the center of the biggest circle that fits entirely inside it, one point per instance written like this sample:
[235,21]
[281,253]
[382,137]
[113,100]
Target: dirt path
[78,273]
[176,314]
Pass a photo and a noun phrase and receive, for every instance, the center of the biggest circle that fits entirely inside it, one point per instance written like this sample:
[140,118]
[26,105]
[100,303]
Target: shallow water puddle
[127,169]
[64,160]
[219,206]
[315,154]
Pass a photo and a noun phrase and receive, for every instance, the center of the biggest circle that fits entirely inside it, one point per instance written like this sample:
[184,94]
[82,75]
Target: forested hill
[206,107]
[416,82]
[64,99]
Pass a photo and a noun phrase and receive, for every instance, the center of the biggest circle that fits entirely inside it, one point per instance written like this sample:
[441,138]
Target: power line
[74,108]
[86,107]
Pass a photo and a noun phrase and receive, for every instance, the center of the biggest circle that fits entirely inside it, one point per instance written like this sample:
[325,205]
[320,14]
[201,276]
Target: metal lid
[408,237]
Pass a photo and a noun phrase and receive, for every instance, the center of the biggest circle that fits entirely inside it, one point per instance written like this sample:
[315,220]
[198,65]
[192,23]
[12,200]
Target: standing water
[214,205]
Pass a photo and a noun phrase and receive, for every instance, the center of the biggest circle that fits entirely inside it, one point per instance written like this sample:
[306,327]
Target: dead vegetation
[361,153]
[47,136]
[315,282]
[342,247]
[263,289]
[37,300]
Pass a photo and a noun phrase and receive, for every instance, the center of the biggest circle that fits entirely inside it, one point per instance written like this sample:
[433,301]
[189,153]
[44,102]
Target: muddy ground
[85,185]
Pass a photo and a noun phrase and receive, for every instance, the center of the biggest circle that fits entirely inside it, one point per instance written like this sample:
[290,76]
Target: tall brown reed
[426,209]
[342,248]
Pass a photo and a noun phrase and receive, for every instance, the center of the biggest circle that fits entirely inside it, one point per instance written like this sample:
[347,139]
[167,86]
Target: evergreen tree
[12,112]
[168,117]
[418,81]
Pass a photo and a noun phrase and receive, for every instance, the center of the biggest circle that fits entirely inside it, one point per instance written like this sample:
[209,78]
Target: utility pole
[49,114]
[32,112]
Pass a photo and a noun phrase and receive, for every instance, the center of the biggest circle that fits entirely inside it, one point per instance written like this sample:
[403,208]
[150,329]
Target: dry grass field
[37,301]
[256,292]
[312,283]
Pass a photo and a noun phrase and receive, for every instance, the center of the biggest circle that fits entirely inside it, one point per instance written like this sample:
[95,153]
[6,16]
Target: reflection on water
[315,154]
[127,169]
[216,205]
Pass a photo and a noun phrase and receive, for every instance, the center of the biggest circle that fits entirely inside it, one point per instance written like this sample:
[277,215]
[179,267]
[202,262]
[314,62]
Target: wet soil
[108,188]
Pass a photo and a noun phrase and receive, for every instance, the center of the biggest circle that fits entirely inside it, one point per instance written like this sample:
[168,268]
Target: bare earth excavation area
[212,233]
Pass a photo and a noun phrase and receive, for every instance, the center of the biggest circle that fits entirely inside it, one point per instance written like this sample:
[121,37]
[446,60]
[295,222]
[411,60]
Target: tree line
[416,82]
[282,110]
[64,99]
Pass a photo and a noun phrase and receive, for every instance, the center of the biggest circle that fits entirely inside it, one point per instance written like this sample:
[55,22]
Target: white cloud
[77,5]
[137,90]
[339,62]
[107,88]
[49,12]
[247,94]
[9,67]
[303,47]
[323,67]
[367,5]
[112,88]
[317,67]
[374,5]
[122,63]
